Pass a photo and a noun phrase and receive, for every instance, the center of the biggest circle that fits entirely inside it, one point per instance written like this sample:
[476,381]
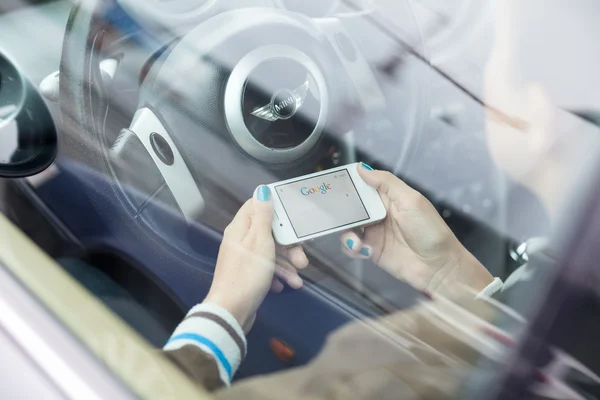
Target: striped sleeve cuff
[216,332]
[491,289]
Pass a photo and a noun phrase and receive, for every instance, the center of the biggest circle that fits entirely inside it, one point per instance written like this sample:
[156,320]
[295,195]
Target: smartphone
[322,203]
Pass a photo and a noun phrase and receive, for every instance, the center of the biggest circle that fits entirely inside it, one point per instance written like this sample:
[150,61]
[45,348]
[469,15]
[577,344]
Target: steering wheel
[247,96]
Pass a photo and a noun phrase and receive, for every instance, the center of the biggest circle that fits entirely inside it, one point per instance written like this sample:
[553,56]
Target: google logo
[323,189]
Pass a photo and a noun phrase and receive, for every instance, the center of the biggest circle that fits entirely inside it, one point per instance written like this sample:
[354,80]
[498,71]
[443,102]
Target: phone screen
[322,203]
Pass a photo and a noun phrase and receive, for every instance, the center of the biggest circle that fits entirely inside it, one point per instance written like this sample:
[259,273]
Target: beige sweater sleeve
[427,352]
[424,353]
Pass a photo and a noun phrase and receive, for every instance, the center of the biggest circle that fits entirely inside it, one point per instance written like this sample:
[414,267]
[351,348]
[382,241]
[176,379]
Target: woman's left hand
[247,266]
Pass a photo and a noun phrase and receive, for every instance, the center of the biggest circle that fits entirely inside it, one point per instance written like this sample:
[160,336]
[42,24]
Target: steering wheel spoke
[166,156]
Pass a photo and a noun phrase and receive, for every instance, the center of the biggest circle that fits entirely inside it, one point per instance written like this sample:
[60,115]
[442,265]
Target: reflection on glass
[9,140]
[12,95]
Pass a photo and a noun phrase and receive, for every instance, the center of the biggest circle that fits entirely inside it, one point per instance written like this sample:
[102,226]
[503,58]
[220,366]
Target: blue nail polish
[263,193]
[367,166]
[364,251]
[350,243]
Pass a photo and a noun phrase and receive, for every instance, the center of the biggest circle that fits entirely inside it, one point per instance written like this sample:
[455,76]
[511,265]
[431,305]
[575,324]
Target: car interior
[151,139]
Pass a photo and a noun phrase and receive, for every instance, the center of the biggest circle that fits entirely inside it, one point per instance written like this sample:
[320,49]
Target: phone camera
[280,224]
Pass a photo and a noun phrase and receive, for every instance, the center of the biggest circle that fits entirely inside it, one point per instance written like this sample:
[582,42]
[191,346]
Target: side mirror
[28,136]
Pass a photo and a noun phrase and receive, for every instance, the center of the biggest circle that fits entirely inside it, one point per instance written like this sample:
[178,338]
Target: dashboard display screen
[322,203]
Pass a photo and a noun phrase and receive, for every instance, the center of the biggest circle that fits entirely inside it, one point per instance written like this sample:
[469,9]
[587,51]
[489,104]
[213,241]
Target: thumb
[386,183]
[262,211]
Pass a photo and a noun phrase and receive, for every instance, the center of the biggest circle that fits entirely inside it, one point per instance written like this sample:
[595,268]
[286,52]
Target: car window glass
[173,112]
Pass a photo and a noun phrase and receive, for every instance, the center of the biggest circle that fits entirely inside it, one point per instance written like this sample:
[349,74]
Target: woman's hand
[247,266]
[414,243]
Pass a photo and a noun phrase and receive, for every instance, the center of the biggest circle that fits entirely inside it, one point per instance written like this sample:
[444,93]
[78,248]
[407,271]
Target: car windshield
[462,139]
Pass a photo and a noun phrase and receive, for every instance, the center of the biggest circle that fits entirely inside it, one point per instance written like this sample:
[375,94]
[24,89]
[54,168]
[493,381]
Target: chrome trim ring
[234,93]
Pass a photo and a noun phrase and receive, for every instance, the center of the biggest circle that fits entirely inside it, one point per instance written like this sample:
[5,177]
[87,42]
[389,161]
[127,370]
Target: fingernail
[263,193]
[366,166]
[350,243]
[364,251]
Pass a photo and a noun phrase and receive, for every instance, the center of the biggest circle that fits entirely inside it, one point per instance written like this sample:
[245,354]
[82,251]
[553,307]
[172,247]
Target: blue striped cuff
[216,332]
[201,340]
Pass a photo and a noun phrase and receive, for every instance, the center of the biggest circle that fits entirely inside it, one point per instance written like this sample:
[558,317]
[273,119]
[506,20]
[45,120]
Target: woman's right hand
[414,243]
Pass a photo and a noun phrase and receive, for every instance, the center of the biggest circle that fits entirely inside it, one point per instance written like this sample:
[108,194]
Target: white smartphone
[322,203]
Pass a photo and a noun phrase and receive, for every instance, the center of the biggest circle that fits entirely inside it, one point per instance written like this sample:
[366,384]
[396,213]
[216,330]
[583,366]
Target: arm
[414,243]
[210,343]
